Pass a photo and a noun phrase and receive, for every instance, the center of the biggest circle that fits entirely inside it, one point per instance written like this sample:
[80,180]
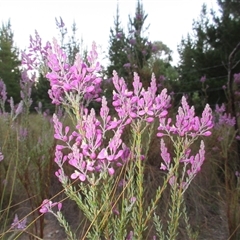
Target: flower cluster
[187,128]
[139,103]
[223,118]
[15,109]
[89,152]
[36,58]
[237,78]
[187,124]
[73,84]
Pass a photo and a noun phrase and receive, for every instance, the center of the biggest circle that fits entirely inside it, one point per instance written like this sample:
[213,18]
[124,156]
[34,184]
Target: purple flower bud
[119,35]
[19,224]
[203,79]
[237,174]
[127,65]
[3,92]
[132,41]
[237,78]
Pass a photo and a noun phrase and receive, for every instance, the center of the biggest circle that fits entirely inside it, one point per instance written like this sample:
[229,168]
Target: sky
[169,20]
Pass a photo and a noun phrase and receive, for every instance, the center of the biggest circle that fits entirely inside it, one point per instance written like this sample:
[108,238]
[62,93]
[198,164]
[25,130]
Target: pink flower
[47,206]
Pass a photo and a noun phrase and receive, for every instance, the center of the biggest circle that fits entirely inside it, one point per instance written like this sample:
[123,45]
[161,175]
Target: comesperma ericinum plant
[107,179]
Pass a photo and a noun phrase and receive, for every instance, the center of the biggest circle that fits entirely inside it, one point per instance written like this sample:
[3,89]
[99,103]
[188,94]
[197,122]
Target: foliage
[206,51]
[9,62]
[40,94]
[116,54]
[133,52]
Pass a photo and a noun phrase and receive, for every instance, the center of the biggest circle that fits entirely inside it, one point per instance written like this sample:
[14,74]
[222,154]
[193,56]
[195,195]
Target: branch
[232,54]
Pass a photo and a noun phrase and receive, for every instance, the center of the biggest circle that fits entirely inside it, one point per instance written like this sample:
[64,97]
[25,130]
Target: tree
[70,43]
[206,52]
[130,52]
[160,65]
[40,94]
[214,51]
[9,62]
[116,53]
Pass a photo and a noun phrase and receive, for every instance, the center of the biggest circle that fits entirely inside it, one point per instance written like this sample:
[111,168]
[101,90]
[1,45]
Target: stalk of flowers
[36,58]
[185,130]
[73,86]
[16,110]
[139,108]
[91,156]
[224,126]
[47,207]
[3,96]
[26,84]
[87,153]
[94,159]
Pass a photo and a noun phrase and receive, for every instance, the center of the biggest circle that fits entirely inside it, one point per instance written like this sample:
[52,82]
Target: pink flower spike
[172,181]
[165,155]
[47,206]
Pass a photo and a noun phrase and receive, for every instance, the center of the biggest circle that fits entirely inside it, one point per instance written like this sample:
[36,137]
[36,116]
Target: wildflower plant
[103,174]
[107,175]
